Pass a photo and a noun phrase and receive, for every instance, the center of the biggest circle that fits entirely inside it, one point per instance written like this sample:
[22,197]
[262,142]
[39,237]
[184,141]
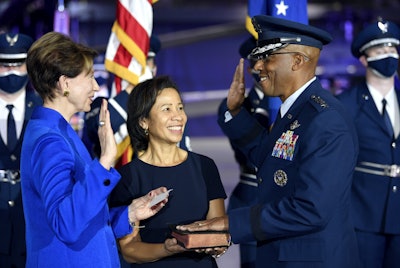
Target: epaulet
[318,102]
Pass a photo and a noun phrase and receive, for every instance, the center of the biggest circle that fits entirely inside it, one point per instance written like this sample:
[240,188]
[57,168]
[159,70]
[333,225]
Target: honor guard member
[374,106]
[16,104]
[304,164]
[245,192]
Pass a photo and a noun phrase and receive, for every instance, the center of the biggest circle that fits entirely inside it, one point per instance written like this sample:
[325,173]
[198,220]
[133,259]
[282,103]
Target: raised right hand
[237,90]
[106,138]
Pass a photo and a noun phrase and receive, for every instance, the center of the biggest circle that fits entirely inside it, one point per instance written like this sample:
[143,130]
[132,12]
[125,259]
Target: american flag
[126,54]
[129,43]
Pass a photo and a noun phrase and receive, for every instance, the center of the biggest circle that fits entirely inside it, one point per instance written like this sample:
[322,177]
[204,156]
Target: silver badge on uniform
[295,124]
[280,177]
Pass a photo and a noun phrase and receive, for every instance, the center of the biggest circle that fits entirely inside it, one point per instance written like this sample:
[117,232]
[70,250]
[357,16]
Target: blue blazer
[12,224]
[305,168]
[376,201]
[64,193]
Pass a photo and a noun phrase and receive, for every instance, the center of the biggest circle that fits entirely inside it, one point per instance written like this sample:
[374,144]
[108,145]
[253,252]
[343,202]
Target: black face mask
[384,65]
[13,81]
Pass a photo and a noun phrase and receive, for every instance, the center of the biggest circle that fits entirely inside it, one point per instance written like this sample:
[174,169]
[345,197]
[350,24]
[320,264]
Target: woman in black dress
[156,121]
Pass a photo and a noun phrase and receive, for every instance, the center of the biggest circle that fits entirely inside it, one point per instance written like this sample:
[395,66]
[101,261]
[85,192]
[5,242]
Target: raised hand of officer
[215,224]
[236,94]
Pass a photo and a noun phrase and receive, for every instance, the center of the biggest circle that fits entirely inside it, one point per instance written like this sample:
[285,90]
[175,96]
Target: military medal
[280,177]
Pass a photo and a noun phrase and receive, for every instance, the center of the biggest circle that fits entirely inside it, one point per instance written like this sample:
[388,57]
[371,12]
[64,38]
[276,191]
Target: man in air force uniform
[374,106]
[18,99]
[305,163]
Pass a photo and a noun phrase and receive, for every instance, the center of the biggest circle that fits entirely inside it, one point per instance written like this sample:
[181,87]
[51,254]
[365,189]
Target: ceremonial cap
[14,48]
[155,46]
[247,47]
[98,62]
[378,33]
[275,33]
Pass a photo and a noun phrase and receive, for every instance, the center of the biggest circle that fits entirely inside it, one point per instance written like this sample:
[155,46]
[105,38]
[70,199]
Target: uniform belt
[392,171]
[10,176]
[248,170]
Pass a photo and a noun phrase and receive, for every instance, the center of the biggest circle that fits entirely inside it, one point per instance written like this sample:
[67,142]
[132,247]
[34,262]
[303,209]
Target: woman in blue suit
[64,191]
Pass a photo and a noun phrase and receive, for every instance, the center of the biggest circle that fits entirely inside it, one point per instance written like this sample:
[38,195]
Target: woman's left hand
[141,208]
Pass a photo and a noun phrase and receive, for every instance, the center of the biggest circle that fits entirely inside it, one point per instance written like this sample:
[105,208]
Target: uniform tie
[11,130]
[386,118]
[277,119]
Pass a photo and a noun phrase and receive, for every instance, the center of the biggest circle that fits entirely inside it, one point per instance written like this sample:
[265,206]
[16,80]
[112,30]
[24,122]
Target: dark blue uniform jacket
[305,168]
[376,199]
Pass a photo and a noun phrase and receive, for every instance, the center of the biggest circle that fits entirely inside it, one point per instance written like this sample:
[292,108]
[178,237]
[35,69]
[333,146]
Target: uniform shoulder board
[318,102]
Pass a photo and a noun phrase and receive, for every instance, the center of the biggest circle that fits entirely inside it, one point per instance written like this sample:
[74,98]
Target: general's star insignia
[281,8]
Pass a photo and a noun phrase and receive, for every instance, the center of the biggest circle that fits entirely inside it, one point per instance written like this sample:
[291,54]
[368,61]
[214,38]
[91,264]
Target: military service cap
[375,34]
[155,46]
[247,47]
[14,48]
[275,33]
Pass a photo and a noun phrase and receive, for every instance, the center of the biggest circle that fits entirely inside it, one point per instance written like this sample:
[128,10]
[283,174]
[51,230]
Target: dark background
[200,40]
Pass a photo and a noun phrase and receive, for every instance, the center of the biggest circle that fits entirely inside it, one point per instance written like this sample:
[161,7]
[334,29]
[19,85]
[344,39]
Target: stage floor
[218,148]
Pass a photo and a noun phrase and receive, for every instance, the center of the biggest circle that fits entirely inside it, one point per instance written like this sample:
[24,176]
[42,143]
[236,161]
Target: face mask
[12,81]
[384,65]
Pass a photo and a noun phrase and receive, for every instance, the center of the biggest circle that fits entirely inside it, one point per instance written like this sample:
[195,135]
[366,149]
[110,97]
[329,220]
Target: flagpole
[61,19]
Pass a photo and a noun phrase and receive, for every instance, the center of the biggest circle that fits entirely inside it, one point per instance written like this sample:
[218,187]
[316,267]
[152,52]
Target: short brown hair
[54,55]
